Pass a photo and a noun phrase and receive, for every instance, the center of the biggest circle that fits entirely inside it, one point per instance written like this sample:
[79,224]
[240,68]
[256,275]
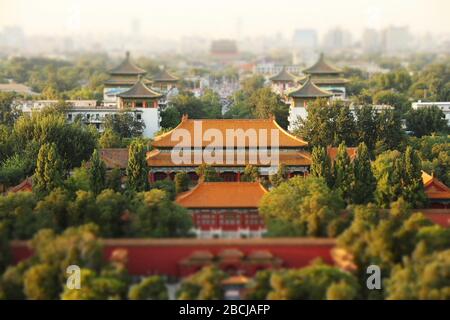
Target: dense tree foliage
[316,282]
[203,285]
[137,171]
[425,121]
[307,204]
[150,288]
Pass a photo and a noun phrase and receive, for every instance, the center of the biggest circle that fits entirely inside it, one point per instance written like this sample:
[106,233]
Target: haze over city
[213,19]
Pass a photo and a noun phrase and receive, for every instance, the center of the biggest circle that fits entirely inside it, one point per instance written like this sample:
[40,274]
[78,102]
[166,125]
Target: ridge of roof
[140,90]
[309,90]
[283,75]
[164,75]
[321,66]
[289,139]
[222,195]
[127,67]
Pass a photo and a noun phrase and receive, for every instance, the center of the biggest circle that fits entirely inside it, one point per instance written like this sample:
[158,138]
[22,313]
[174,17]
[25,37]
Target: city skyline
[232,19]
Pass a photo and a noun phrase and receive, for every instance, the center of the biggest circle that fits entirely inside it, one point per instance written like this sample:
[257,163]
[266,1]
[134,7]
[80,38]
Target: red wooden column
[238,176]
[152,177]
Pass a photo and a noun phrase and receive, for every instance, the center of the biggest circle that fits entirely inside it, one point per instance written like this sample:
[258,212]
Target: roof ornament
[127,55]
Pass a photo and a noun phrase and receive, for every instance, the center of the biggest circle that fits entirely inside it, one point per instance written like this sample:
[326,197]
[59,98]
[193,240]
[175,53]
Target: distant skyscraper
[305,39]
[304,43]
[396,39]
[371,41]
[337,39]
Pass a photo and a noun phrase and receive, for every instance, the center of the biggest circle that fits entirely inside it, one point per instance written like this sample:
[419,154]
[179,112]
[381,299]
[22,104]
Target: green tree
[5,250]
[157,216]
[75,142]
[207,173]
[307,204]
[114,180]
[83,209]
[170,118]
[8,112]
[345,127]
[342,172]
[421,277]
[49,171]
[41,282]
[97,173]
[52,211]
[110,139]
[279,177]
[111,208]
[181,182]
[251,174]
[389,130]
[126,124]
[150,288]
[388,171]
[341,291]
[397,100]
[259,287]
[366,126]
[364,183]
[206,284]
[264,103]
[425,121]
[318,128]
[413,190]
[137,171]
[17,216]
[311,283]
[321,165]
[96,287]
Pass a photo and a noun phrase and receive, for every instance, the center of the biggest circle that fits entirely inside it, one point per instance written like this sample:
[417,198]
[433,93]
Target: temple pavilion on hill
[327,77]
[225,209]
[283,81]
[121,78]
[321,81]
[164,81]
[301,97]
[230,152]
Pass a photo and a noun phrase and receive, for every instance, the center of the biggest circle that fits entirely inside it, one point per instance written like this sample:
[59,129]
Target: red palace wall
[163,256]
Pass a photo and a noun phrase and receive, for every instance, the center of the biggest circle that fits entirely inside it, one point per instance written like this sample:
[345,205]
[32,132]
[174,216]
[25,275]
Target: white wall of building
[151,118]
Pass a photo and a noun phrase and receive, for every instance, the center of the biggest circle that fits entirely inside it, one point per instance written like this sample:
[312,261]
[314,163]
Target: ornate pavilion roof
[127,67]
[164,76]
[322,67]
[157,158]
[140,90]
[223,195]
[283,75]
[320,81]
[171,139]
[309,90]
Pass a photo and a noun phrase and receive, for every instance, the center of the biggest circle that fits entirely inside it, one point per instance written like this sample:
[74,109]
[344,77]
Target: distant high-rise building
[337,39]
[304,43]
[371,41]
[305,39]
[396,39]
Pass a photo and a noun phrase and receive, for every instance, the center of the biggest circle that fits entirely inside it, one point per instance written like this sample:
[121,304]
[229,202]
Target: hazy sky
[220,18]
